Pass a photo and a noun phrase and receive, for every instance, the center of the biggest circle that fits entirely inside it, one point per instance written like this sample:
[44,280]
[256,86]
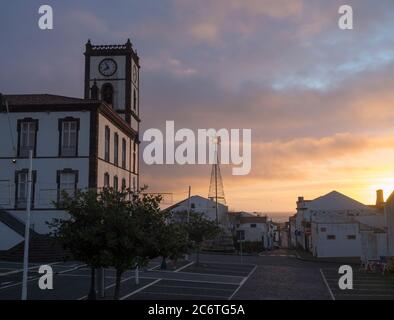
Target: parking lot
[366,285]
[217,277]
[209,281]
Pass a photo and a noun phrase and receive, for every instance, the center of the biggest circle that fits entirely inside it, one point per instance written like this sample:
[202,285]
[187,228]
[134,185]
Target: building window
[67,181]
[27,137]
[331,237]
[124,153]
[123,184]
[241,234]
[115,183]
[107,142]
[193,205]
[134,155]
[107,93]
[68,136]
[116,149]
[253,225]
[135,100]
[351,237]
[323,229]
[21,188]
[106,180]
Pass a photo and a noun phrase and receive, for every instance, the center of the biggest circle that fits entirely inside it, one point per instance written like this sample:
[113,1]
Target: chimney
[379,198]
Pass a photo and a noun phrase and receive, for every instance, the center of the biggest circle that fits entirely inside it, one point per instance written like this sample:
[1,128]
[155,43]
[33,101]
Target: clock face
[107,67]
[135,74]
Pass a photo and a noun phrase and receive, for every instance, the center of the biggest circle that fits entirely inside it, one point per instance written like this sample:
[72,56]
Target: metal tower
[216,190]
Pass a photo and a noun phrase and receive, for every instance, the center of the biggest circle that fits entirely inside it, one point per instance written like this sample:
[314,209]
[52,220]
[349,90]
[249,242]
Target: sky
[319,100]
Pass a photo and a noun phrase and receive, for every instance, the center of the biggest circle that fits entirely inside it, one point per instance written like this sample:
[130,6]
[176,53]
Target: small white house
[202,205]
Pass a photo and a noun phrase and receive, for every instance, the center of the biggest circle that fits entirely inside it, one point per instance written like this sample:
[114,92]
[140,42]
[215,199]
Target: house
[253,227]
[202,205]
[76,143]
[292,232]
[335,225]
[389,216]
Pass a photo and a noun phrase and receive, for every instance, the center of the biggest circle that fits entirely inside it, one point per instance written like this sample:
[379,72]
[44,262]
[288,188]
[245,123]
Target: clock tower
[112,75]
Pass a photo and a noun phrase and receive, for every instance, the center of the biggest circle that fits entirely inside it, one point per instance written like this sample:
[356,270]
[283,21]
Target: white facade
[205,206]
[71,149]
[389,215]
[334,225]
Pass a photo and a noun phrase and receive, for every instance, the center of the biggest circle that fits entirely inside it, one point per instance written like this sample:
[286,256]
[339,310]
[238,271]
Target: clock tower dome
[112,75]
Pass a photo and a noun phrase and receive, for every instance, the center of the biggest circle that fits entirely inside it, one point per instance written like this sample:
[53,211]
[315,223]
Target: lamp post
[27,229]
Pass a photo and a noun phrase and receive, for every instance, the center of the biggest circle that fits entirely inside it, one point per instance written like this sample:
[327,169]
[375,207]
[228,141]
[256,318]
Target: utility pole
[27,229]
[188,216]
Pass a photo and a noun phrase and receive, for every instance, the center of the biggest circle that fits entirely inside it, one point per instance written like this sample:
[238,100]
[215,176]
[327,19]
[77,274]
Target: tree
[171,241]
[129,226]
[200,229]
[82,235]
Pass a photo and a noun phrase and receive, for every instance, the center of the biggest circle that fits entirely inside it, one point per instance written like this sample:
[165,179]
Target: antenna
[216,190]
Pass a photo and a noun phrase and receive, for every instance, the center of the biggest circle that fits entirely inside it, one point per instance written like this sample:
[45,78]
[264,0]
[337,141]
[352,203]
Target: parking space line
[328,287]
[112,285]
[30,280]
[242,282]
[198,288]
[140,289]
[184,267]
[184,294]
[21,270]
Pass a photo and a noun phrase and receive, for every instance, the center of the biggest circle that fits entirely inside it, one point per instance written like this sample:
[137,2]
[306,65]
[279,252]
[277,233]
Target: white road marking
[140,289]
[21,270]
[184,267]
[328,287]
[184,294]
[243,281]
[33,279]
[110,286]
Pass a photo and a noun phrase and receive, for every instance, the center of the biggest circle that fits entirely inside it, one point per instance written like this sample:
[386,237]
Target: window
[21,188]
[107,93]
[351,237]
[193,205]
[106,147]
[124,153]
[323,229]
[106,180]
[241,234]
[116,183]
[331,237]
[134,156]
[253,225]
[68,136]
[135,100]
[67,181]
[123,184]
[116,148]
[27,137]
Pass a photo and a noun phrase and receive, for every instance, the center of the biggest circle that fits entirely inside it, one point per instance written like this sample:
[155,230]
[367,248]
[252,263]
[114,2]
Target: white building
[202,205]
[389,215]
[335,225]
[76,143]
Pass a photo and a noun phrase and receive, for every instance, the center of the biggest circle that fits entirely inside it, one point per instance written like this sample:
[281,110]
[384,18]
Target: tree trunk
[198,256]
[117,284]
[92,291]
[163,264]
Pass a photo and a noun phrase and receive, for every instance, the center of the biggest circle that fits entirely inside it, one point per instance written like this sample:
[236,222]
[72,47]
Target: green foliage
[82,234]
[200,228]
